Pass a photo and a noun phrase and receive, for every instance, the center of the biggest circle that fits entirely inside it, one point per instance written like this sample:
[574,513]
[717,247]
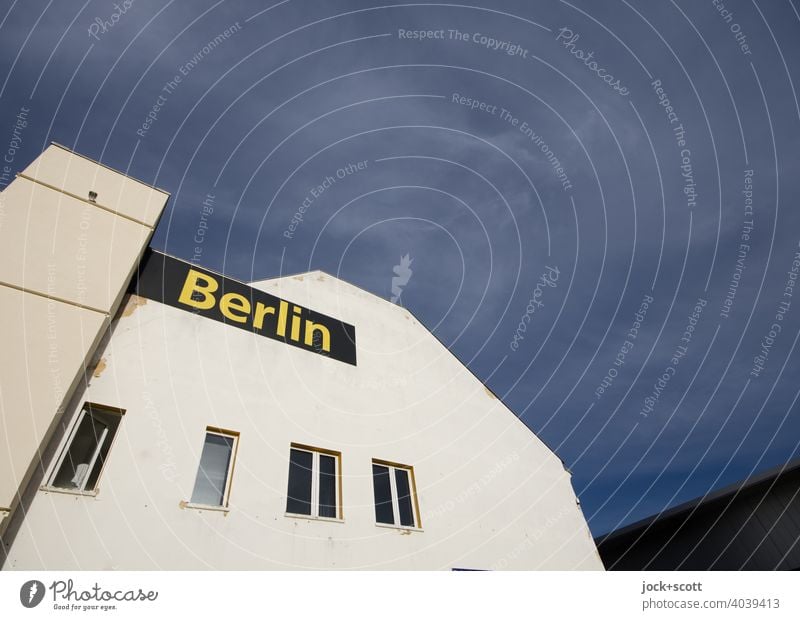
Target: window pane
[404,497]
[209,487]
[327,486]
[299,494]
[383,494]
[74,468]
[111,421]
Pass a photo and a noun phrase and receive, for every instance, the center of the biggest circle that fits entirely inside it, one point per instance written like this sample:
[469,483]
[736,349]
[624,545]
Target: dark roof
[703,500]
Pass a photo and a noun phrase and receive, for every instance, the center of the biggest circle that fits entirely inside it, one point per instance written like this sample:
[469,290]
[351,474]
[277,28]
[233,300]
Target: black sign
[183,285]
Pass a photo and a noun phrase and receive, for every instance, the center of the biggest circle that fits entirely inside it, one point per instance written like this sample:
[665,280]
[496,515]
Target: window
[79,465]
[395,494]
[213,482]
[314,485]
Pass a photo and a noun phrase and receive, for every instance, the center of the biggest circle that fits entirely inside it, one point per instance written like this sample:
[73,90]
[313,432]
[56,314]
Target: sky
[598,201]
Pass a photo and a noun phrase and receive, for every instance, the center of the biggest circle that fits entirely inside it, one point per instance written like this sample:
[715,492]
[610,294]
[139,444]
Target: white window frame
[221,432]
[315,475]
[396,498]
[86,409]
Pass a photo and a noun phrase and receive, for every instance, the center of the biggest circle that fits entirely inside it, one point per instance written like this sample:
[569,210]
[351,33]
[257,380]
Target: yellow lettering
[281,330]
[198,292]
[231,302]
[192,286]
[312,327]
[261,311]
[296,324]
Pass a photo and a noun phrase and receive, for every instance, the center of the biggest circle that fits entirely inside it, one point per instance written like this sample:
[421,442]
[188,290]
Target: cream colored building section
[65,263]
[66,248]
[71,173]
[491,495]
[49,339]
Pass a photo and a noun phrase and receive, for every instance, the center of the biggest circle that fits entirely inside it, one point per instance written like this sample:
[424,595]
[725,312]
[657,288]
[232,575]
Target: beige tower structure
[71,234]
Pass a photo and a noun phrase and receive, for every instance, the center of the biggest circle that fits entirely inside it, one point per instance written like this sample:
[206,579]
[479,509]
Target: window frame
[412,481]
[315,475]
[66,443]
[225,505]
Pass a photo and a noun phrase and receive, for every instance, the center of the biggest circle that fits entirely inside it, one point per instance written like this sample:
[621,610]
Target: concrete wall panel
[74,174]
[66,248]
[44,341]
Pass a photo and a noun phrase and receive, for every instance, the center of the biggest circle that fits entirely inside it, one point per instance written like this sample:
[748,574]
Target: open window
[88,444]
[213,482]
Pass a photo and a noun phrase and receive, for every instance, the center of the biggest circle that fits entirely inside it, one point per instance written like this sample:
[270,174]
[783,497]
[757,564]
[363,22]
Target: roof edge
[94,161]
[732,489]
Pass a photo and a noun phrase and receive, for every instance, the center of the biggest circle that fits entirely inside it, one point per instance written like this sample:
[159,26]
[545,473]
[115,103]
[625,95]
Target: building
[297,422]
[750,525]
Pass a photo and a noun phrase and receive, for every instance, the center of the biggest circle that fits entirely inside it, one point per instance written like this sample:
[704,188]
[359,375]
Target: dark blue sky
[568,159]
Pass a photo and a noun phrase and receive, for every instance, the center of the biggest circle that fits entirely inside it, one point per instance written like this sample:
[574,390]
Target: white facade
[489,494]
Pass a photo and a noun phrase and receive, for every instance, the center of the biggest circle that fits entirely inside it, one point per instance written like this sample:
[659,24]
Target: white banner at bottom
[398,595]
